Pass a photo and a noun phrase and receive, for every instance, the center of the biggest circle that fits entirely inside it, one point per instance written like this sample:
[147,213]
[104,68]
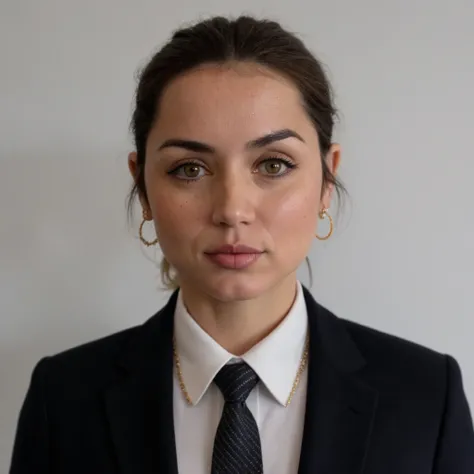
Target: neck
[237,326]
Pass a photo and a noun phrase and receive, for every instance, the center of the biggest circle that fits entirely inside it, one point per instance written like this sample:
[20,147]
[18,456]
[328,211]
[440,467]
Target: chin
[237,287]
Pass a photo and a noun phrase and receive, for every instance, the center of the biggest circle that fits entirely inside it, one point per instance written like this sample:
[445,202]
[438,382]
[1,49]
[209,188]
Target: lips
[235,257]
[234,249]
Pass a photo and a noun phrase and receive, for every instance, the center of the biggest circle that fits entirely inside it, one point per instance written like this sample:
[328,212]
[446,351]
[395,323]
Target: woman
[242,371]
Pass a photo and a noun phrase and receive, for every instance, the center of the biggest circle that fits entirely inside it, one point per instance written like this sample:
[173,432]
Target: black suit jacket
[375,405]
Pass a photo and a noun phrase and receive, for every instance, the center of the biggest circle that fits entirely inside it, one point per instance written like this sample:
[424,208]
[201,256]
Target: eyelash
[289,164]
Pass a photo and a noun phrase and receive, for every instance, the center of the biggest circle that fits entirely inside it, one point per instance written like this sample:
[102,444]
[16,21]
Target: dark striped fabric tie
[237,448]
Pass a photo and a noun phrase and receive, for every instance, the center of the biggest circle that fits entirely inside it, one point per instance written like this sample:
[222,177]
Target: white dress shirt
[276,360]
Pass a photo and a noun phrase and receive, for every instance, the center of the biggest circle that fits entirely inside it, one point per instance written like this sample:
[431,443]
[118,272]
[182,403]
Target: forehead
[242,100]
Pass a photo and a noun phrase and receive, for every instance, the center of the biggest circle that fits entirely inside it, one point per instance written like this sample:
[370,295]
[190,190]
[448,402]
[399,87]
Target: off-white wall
[402,259]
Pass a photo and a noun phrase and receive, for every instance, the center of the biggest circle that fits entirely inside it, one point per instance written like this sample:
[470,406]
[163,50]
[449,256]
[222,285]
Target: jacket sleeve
[32,445]
[455,451]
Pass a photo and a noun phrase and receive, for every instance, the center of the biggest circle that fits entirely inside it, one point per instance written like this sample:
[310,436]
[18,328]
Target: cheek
[294,215]
[165,206]
[168,214]
[177,216]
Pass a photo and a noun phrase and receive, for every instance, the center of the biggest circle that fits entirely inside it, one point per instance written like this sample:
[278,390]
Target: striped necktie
[237,447]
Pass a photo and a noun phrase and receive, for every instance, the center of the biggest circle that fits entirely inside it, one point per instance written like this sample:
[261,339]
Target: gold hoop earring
[147,243]
[322,215]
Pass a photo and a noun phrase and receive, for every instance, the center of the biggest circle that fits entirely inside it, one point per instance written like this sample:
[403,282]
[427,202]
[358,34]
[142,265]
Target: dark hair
[220,40]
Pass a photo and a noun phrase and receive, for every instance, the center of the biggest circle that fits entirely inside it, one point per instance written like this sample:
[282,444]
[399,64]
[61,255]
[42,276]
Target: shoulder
[401,366]
[90,366]
[97,364]
[96,352]
[353,346]
[383,360]
[381,347]
[414,382]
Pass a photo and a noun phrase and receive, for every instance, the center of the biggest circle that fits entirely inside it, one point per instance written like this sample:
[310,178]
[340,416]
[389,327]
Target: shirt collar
[275,359]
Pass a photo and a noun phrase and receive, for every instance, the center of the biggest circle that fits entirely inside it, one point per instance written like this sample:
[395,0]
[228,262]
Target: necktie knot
[236,381]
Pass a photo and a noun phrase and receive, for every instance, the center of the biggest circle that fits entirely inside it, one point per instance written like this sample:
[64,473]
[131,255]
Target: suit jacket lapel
[340,408]
[140,406]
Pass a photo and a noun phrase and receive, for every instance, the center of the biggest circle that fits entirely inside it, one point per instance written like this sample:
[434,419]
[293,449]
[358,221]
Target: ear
[133,167]
[333,158]
[132,163]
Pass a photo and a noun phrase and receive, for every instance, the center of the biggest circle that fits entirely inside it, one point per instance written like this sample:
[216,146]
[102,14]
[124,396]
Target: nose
[233,202]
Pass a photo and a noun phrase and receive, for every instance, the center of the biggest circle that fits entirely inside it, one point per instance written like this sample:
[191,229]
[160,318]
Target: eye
[188,171]
[275,167]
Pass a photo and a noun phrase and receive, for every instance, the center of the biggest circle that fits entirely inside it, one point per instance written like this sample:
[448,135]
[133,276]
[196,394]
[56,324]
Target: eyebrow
[199,147]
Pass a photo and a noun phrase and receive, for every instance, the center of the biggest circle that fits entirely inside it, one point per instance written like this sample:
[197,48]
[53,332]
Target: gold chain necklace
[299,372]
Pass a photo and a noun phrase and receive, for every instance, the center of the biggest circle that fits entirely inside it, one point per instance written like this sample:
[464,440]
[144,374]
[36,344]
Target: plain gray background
[402,258]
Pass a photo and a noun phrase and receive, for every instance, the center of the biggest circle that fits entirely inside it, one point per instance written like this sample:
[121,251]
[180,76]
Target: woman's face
[233,159]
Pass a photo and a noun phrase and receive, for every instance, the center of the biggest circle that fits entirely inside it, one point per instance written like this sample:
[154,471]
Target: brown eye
[275,167]
[188,171]
[272,167]
[191,170]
